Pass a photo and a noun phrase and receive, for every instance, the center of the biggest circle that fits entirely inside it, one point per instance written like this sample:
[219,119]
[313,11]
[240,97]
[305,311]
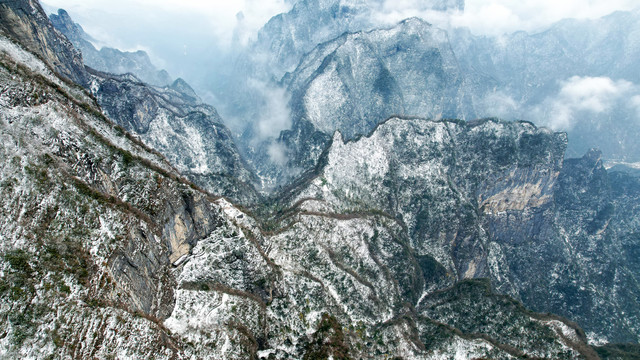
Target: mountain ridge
[108,250]
[108,59]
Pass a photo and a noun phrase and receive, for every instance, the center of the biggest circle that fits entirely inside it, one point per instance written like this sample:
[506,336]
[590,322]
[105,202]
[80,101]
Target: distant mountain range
[518,76]
[132,226]
[109,59]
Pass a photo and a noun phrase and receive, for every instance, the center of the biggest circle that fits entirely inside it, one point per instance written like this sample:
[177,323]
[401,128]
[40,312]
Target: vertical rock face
[25,22]
[359,80]
[108,59]
[174,121]
[440,178]
[493,199]
[280,47]
[600,211]
[287,37]
[355,82]
[90,228]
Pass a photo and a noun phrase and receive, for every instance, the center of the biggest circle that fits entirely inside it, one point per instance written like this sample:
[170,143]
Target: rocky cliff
[358,80]
[494,199]
[174,121]
[287,37]
[420,240]
[25,21]
[93,223]
[108,59]
[246,90]
[162,117]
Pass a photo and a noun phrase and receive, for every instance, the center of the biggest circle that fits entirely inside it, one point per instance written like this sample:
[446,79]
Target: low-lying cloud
[272,117]
[274,114]
[499,104]
[202,41]
[497,17]
[586,99]
[186,37]
[204,29]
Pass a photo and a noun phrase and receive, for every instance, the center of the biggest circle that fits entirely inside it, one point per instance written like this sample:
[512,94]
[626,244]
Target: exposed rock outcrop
[108,59]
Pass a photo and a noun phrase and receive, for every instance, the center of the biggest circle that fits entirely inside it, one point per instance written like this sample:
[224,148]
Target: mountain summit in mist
[366,209]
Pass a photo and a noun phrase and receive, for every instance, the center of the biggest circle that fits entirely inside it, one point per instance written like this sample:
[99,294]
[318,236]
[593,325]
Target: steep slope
[287,37]
[358,80]
[352,82]
[25,21]
[598,217]
[250,89]
[492,199]
[174,121]
[92,222]
[517,74]
[108,252]
[108,59]
[164,118]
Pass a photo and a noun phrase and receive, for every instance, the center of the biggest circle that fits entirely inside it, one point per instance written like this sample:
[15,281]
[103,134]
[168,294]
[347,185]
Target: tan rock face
[518,190]
[530,195]
[177,239]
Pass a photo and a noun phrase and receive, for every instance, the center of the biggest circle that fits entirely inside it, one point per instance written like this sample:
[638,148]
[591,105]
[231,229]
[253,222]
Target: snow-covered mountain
[287,37]
[175,122]
[353,83]
[578,76]
[494,199]
[408,237]
[583,71]
[108,59]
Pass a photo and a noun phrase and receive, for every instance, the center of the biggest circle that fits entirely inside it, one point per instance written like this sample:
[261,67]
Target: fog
[191,38]
[186,37]
[203,42]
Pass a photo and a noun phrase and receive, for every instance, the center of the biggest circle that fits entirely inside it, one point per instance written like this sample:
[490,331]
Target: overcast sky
[496,17]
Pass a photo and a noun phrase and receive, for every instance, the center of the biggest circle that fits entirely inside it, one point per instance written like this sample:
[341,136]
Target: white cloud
[595,94]
[188,38]
[273,116]
[141,16]
[498,104]
[277,153]
[192,39]
[497,17]
[582,98]
[389,12]
[274,112]
[114,21]
[634,103]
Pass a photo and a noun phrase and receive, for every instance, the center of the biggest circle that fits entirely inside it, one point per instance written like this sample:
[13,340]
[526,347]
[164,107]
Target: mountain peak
[108,59]
[594,155]
[63,22]
[184,88]
[26,22]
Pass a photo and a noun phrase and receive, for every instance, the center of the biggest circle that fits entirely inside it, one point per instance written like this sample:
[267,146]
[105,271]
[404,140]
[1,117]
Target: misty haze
[320,179]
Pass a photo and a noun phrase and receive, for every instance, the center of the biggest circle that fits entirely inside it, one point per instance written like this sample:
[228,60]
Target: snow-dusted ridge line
[102,128]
